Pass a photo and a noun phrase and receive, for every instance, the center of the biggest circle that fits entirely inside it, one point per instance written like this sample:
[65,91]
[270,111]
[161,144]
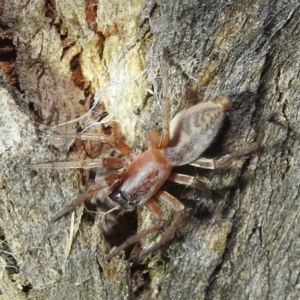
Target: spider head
[119,197]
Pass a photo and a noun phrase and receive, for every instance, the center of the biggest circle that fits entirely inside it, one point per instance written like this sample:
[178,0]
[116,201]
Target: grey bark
[242,244]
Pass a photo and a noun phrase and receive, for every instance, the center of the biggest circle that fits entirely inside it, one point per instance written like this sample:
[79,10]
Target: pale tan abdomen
[193,130]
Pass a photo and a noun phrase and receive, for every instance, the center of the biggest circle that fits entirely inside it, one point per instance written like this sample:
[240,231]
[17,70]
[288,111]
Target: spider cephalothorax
[139,176]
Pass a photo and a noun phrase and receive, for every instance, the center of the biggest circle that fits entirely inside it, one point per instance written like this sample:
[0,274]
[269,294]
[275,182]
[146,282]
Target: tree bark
[59,58]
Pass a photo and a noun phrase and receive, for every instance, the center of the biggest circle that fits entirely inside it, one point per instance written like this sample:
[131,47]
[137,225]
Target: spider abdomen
[193,130]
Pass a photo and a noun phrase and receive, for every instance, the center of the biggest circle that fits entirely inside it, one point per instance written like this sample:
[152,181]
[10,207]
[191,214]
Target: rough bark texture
[242,244]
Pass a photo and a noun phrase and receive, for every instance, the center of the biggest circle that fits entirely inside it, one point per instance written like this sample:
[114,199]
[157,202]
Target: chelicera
[138,177]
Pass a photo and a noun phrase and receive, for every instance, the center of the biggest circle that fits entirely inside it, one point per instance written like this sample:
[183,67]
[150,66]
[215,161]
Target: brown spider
[139,176]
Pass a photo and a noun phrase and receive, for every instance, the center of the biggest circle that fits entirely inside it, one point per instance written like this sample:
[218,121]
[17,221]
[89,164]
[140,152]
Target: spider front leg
[110,162]
[112,140]
[111,180]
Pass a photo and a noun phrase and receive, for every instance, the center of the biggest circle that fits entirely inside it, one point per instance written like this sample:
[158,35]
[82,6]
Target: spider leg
[114,127]
[165,136]
[153,138]
[111,180]
[228,158]
[156,140]
[112,140]
[206,163]
[155,209]
[191,181]
[168,234]
[110,162]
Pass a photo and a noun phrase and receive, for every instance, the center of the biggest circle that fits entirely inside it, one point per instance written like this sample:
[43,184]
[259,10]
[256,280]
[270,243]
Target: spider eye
[119,197]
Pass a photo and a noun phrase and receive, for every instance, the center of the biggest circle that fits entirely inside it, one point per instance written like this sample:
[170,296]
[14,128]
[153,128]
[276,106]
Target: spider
[139,176]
